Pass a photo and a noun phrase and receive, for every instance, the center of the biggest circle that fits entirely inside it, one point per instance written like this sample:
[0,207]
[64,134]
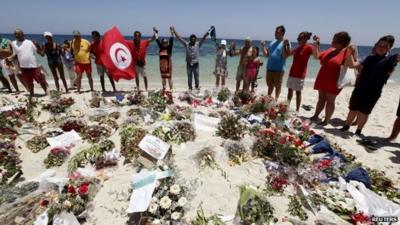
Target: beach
[213,192]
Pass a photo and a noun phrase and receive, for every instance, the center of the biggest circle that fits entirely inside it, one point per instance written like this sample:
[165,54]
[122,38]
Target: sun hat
[76,33]
[45,34]
[223,42]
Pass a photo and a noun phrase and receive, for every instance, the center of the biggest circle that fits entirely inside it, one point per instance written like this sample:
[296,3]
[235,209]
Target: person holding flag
[138,50]
[116,55]
[95,49]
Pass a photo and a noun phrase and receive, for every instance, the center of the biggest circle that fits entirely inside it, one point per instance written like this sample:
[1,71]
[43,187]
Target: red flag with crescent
[116,56]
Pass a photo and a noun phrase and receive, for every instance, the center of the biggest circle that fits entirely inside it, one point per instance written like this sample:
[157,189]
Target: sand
[216,194]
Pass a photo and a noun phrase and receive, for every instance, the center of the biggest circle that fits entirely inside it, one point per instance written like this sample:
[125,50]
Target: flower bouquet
[176,131]
[223,94]
[277,112]
[237,153]
[37,143]
[290,150]
[9,162]
[131,135]
[206,159]
[260,104]
[56,157]
[383,185]
[94,155]
[242,98]
[136,99]
[73,124]
[58,105]
[12,118]
[201,219]
[74,198]
[177,112]
[135,115]
[230,127]
[253,207]
[159,100]
[168,202]
[296,209]
[276,183]
[265,143]
[96,133]
[9,194]
[338,201]
[301,128]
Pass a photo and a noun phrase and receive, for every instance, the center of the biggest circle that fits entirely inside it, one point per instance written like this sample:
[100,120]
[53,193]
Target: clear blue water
[207,57]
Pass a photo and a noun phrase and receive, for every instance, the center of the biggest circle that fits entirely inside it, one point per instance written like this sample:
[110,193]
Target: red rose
[298,142]
[324,163]
[360,218]
[71,189]
[282,140]
[44,203]
[83,189]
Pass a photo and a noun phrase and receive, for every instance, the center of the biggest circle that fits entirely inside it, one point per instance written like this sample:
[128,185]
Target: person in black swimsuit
[165,54]
[53,52]
[375,71]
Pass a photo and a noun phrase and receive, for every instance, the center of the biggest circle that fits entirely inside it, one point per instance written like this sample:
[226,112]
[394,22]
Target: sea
[207,60]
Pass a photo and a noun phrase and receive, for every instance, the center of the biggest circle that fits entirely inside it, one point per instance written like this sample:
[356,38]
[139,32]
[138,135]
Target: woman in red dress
[326,81]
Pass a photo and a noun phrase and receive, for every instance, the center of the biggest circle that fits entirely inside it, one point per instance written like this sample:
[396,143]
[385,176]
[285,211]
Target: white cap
[45,34]
[223,42]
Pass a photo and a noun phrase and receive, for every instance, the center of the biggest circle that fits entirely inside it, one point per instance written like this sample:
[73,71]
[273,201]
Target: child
[68,61]
[165,54]
[221,68]
[253,65]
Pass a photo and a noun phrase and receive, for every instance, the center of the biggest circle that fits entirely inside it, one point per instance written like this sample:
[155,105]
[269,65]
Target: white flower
[153,208]
[154,199]
[165,202]
[182,201]
[67,204]
[156,222]
[175,189]
[175,216]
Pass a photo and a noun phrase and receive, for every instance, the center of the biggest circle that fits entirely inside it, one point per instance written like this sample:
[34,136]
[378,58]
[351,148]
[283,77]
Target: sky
[365,20]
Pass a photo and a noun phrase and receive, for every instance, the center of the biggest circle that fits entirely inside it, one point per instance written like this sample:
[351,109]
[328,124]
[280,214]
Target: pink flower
[74,175]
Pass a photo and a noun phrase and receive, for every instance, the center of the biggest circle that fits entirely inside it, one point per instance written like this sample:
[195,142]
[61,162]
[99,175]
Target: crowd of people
[18,62]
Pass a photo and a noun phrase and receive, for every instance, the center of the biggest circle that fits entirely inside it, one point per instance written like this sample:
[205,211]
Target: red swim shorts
[81,68]
[30,74]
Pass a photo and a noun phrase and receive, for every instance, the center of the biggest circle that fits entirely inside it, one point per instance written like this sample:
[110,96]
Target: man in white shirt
[25,50]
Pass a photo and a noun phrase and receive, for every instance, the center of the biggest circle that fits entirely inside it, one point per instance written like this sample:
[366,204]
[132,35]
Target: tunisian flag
[116,55]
